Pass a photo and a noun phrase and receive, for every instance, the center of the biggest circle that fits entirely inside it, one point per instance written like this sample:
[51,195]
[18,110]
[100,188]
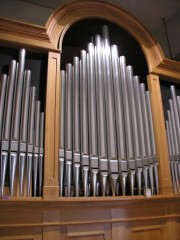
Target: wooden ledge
[82,202]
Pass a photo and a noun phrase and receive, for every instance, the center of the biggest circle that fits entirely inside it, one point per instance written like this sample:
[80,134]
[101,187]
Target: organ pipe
[173,136]
[21,132]
[108,124]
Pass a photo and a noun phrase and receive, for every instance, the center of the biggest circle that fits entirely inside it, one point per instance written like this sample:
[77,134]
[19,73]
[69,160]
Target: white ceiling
[149,12]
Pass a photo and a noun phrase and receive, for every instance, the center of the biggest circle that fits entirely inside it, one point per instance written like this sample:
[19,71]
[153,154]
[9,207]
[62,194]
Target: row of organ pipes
[107,145]
[21,132]
[173,137]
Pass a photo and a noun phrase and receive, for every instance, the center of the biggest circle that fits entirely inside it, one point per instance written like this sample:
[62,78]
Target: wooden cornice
[65,16]
[24,34]
[168,70]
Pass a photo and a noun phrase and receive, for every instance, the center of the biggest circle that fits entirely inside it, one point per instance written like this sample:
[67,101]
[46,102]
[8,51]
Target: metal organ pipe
[119,119]
[68,130]
[76,124]
[20,141]
[152,140]
[108,132]
[101,117]
[84,122]
[135,128]
[110,114]
[173,137]
[23,132]
[6,126]
[92,115]
[62,135]
[30,139]
[128,124]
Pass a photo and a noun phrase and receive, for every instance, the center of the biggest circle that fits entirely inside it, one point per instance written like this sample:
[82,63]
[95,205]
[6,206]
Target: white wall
[26,12]
[173,30]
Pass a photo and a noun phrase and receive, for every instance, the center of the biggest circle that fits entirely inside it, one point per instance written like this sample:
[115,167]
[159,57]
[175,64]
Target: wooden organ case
[50,214]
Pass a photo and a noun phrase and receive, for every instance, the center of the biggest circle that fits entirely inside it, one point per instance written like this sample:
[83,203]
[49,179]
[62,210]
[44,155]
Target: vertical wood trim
[51,186]
[165,182]
[51,232]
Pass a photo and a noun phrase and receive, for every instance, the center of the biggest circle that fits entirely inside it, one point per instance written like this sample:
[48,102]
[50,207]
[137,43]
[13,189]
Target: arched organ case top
[107,144]
[173,137]
[21,133]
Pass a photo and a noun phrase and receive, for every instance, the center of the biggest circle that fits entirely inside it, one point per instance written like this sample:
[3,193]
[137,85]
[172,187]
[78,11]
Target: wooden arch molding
[65,16]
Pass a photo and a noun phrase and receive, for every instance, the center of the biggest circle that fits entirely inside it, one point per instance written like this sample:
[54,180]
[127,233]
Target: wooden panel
[51,188]
[140,218]
[51,232]
[172,227]
[149,230]
[178,230]
[98,231]
[94,237]
[144,212]
[21,234]
[82,216]
[148,233]
[120,231]
[165,182]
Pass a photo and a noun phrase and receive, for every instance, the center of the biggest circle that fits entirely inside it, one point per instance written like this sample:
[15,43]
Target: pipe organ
[107,145]
[173,137]
[21,132]
[84,169]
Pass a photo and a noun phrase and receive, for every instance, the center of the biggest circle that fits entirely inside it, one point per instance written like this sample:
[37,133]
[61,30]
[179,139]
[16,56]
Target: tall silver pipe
[135,127]
[15,131]
[128,125]
[110,115]
[23,129]
[76,124]
[173,147]
[178,105]
[7,123]
[68,130]
[142,138]
[175,137]
[18,97]
[177,125]
[93,144]
[62,133]
[120,131]
[3,87]
[176,115]
[102,139]
[30,139]
[84,122]
[36,146]
[171,154]
[41,152]
[147,137]
[152,140]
